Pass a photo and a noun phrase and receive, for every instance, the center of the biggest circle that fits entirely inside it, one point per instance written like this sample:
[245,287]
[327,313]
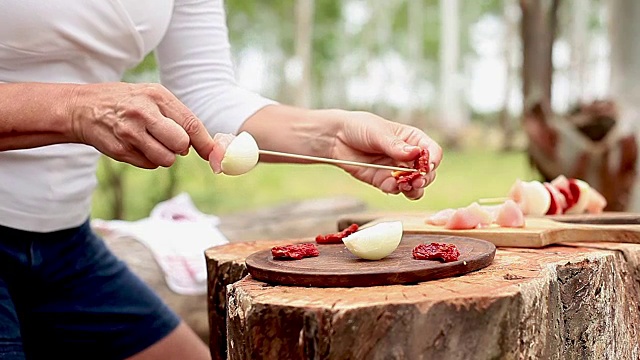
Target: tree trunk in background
[114,172]
[537,30]
[303,52]
[538,26]
[451,114]
[581,12]
[624,27]
[415,57]
[510,47]
[596,141]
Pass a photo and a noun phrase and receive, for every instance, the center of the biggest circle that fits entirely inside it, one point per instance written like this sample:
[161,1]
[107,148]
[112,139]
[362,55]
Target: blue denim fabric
[65,295]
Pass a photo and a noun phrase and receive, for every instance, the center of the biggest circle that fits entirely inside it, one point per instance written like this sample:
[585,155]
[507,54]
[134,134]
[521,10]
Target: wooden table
[578,301]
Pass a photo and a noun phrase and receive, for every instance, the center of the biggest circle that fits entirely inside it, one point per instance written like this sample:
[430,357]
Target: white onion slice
[375,242]
[583,200]
[532,197]
[241,155]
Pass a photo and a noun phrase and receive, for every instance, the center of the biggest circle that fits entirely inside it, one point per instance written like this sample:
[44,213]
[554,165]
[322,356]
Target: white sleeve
[195,64]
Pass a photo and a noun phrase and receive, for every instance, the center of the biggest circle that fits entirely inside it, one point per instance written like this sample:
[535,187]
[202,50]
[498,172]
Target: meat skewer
[525,198]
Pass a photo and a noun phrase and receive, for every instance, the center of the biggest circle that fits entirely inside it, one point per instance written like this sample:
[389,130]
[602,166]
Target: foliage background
[344,47]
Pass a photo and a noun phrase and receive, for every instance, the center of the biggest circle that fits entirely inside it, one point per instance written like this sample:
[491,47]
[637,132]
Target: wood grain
[558,302]
[538,232]
[608,217]
[337,267]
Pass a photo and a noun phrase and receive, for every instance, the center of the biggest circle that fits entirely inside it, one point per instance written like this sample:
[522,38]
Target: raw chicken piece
[463,219]
[441,217]
[476,216]
[510,215]
[481,212]
[470,217]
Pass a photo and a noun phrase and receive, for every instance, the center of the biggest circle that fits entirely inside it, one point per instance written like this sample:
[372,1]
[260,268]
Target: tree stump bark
[560,302]
[225,264]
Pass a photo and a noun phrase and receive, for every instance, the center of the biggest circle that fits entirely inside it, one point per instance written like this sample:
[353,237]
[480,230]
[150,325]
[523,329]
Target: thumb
[401,150]
[220,144]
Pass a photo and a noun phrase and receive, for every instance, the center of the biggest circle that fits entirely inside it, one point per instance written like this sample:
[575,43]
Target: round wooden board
[337,267]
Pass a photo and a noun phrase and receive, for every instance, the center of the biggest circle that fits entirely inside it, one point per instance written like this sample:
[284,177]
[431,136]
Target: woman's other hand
[365,137]
[346,135]
[141,124]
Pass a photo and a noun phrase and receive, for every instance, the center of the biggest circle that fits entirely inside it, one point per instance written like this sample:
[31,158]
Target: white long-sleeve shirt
[88,41]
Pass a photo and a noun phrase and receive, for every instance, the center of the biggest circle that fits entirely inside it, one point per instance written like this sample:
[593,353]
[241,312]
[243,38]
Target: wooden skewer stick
[494,200]
[334,161]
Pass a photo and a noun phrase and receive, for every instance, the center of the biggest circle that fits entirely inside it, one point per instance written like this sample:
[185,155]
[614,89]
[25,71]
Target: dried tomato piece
[295,251]
[436,251]
[421,163]
[337,237]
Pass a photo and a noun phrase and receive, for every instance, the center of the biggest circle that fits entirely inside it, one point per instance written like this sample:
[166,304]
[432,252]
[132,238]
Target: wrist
[324,128]
[68,115]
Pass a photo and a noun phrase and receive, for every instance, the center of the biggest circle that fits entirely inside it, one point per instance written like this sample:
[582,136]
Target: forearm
[294,130]
[34,114]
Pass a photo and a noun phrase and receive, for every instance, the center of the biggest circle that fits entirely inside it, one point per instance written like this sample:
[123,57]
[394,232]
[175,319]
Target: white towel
[177,234]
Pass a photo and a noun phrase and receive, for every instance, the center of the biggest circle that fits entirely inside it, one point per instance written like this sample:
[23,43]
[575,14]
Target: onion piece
[241,155]
[532,197]
[582,201]
[375,242]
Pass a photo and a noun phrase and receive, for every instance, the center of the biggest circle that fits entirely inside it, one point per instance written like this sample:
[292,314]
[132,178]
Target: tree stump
[561,302]
[225,265]
[288,220]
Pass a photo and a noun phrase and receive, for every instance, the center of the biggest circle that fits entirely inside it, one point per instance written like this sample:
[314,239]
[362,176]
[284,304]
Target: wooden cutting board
[608,217]
[337,267]
[537,233]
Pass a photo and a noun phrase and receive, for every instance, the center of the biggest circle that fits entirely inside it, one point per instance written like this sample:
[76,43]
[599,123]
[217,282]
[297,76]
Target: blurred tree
[270,27]
[451,111]
[596,141]
[619,162]
[511,13]
[303,52]
[580,11]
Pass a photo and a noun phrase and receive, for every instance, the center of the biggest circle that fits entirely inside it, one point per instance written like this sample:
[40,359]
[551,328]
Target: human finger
[414,193]
[198,134]
[149,147]
[435,155]
[220,143]
[169,133]
[132,156]
[420,182]
[389,186]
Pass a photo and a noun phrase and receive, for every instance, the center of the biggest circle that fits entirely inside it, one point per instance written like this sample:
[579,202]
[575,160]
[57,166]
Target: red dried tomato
[337,237]
[421,163]
[295,251]
[436,251]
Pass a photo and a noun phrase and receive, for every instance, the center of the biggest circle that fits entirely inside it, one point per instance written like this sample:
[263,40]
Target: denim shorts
[65,295]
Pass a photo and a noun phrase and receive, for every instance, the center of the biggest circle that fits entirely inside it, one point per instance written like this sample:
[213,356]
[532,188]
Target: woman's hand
[368,138]
[221,143]
[346,135]
[141,124]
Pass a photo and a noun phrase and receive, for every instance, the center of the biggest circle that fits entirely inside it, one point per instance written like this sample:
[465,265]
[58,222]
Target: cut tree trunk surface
[559,302]
[294,219]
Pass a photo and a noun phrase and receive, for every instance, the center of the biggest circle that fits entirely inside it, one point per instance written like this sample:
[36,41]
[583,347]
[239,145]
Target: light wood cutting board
[538,232]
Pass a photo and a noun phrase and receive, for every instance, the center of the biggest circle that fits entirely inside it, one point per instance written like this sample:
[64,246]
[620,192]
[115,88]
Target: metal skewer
[334,161]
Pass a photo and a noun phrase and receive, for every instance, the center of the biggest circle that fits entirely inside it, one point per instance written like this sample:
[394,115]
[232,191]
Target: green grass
[462,178]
